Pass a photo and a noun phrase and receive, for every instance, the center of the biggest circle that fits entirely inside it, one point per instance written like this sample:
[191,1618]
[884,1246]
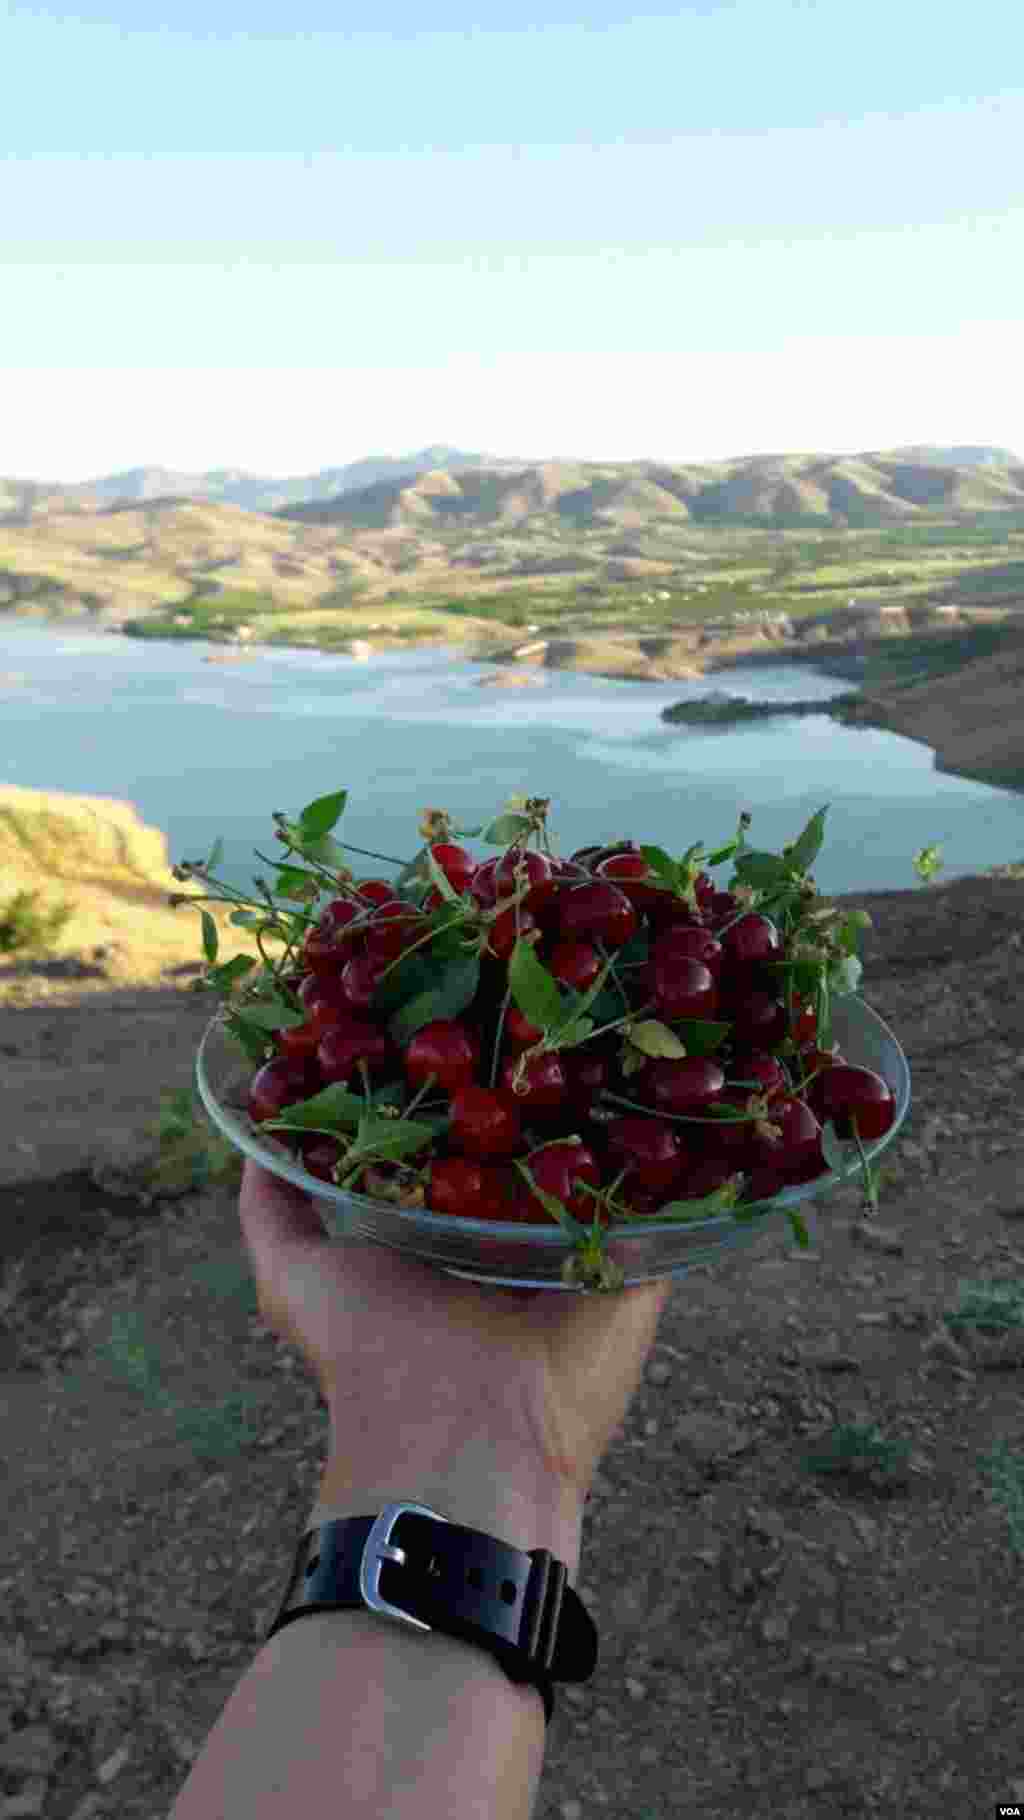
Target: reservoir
[205,749]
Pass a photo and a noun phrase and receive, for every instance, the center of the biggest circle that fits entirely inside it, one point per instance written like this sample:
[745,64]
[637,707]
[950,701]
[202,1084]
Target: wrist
[506,1505]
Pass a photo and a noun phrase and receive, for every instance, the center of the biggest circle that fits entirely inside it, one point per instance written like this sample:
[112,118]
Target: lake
[207,749]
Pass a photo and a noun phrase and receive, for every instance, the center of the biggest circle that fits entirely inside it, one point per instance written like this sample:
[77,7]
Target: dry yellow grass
[96,853]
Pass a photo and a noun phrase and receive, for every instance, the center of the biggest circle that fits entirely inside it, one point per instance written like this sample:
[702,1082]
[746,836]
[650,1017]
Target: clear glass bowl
[523,1257]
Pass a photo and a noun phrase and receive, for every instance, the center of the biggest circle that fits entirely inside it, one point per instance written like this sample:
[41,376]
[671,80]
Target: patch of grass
[1006,1472]
[192,1155]
[26,929]
[989,1307]
[213,1433]
[859,1454]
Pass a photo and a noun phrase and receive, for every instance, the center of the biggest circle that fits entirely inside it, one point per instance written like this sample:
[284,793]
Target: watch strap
[413,1565]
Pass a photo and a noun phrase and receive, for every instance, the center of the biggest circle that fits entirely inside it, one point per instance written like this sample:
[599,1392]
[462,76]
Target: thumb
[276,1216]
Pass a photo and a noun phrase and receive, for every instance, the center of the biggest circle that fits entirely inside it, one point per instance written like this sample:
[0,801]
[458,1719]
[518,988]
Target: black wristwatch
[417,1567]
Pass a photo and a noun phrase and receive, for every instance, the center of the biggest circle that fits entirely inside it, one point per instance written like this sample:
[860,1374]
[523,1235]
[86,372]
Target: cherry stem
[613,1099]
[413,1103]
[497,1036]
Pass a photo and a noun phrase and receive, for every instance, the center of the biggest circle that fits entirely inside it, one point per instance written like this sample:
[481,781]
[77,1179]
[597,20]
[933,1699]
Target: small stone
[114,1765]
[648,1755]
[635,1689]
[898,1665]
[571,1810]
[658,1372]
[877,1238]
[775,1630]
[817,1778]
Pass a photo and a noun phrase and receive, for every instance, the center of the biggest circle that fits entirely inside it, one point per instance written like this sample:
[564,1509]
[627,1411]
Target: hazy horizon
[714,229]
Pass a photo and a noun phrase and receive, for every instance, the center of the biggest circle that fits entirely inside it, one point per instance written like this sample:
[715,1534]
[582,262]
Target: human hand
[500,1402]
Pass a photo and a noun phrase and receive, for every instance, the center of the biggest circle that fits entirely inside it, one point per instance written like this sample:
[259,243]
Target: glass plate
[523,1257]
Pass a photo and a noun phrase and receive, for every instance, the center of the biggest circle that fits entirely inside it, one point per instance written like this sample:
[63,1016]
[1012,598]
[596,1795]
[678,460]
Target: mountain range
[383,490]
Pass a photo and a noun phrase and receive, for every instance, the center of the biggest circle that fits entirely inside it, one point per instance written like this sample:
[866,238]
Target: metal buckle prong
[379,1548]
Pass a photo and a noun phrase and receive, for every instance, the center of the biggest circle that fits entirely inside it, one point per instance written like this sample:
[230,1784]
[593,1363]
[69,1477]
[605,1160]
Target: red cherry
[445,1049]
[599,912]
[482,885]
[667,911]
[586,1072]
[299,1040]
[704,1176]
[798,1144]
[339,913]
[376,891]
[686,1087]
[753,938]
[507,929]
[623,868]
[544,1083]
[694,942]
[359,981]
[328,1008]
[847,1094]
[651,1149]
[283,1081]
[519,867]
[344,1046]
[484,1121]
[325,951]
[460,1187]
[759,1020]
[803,1024]
[393,929]
[556,1169]
[518,1029]
[721,906]
[682,988]
[575,964]
[322,1158]
[764,1069]
[457,865]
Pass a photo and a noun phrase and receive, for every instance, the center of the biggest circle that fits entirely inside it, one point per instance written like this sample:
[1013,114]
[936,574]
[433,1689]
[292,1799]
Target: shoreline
[985,744]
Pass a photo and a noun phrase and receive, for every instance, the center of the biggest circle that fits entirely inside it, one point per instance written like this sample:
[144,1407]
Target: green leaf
[701,1037]
[293,884]
[805,850]
[389,1137]
[325,813]
[247,1037]
[797,1227]
[652,1038]
[845,974]
[721,1200]
[216,855]
[761,869]
[534,989]
[275,1016]
[325,849]
[722,853]
[209,936]
[468,833]
[607,1006]
[334,1106]
[662,863]
[691,854]
[570,1035]
[248,919]
[449,994]
[505,829]
[226,975]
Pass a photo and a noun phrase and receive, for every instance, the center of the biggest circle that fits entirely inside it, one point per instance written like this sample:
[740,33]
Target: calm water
[205,750]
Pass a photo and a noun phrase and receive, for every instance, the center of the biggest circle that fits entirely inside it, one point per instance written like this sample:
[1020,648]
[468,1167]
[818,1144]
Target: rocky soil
[772,1639]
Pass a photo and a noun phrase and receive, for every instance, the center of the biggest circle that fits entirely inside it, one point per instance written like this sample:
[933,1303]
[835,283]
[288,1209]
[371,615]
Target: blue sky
[709,230]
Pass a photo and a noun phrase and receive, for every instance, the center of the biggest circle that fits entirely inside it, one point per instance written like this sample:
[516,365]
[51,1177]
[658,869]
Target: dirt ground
[772,1640]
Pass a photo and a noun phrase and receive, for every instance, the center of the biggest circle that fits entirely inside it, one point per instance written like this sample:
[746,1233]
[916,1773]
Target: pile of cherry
[707,963]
